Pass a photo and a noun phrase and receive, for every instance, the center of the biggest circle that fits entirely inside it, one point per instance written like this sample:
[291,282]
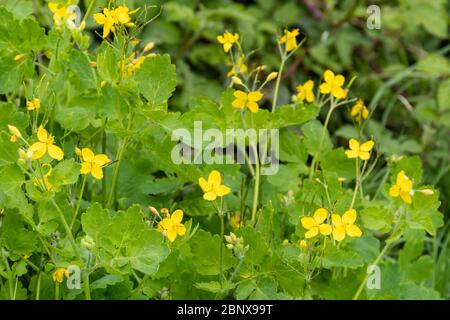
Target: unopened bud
[153,210]
[19,57]
[237,80]
[149,46]
[271,76]
[427,192]
[93,64]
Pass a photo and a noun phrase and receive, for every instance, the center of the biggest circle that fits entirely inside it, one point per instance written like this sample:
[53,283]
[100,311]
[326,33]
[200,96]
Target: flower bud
[237,81]
[19,57]
[149,46]
[272,76]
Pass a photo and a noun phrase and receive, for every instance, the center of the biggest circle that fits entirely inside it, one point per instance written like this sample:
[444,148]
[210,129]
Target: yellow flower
[315,224]
[242,67]
[19,57]
[290,38]
[59,274]
[333,84]
[15,133]
[171,226]
[33,104]
[402,188]
[236,221]
[227,40]
[359,150]
[359,111]
[305,91]
[60,13]
[45,145]
[247,100]
[93,163]
[345,225]
[213,188]
[111,17]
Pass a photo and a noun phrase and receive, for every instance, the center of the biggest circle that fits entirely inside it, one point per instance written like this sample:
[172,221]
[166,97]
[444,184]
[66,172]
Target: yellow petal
[42,134]
[177,216]
[328,75]
[38,150]
[349,217]
[320,215]
[96,171]
[210,196]
[325,229]
[364,155]
[353,144]
[367,146]
[87,155]
[255,96]
[352,154]
[101,159]
[221,39]
[181,229]
[172,234]
[338,92]
[400,177]
[394,191]
[339,80]
[214,178]
[85,168]
[308,222]
[99,18]
[252,106]
[406,197]
[339,233]
[353,230]
[227,46]
[314,231]
[325,88]
[336,219]
[204,184]
[165,223]
[239,103]
[240,95]
[55,152]
[222,190]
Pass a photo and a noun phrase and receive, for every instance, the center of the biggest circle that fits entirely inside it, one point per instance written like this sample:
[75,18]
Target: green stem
[222,232]
[356,184]
[322,137]
[80,198]
[277,84]
[375,262]
[112,192]
[87,290]
[256,190]
[68,230]
[56,290]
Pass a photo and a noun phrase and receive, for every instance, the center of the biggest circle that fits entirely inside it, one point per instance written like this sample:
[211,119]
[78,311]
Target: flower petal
[87,155]
[181,229]
[308,222]
[255,96]
[85,168]
[222,190]
[42,134]
[55,152]
[339,233]
[314,231]
[353,144]
[252,106]
[177,216]
[336,219]
[325,229]
[367,146]
[172,234]
[353,230]
[394,191]
[349,217]
[406,197]
[328,75]
[101,159]
[214,178]
[320,215]
[204,184]
[97,171]
[38,150]
[210,196]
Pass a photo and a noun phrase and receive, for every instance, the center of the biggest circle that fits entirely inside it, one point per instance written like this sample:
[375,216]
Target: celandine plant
[94,206]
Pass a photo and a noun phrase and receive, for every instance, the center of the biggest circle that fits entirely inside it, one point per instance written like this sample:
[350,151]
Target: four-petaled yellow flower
[361,151]
[315,224]
[213,188]
[15,133]
[59,274]
[93,163]
[33,104]
[111,17]
[345,225]
[290,38]
[227,40]
[171,226]
[305,91]
[359,111]
[247,100]
[61,14]
[241,66]
[45,145]
[402,188]
[333,84]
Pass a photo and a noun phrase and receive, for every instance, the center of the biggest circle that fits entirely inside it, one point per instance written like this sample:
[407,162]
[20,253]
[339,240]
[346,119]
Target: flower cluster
[110,18]
[341,227]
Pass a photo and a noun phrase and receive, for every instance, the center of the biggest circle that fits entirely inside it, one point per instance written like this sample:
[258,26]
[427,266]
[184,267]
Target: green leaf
[294,114]
[65,173]
[81,70]
[340,257]
[443,95]
[107,65]
[377,218]
[156,80]
[313,134]
[336,161]
[434,65]
[214,286]
[205,249]
[19,240]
